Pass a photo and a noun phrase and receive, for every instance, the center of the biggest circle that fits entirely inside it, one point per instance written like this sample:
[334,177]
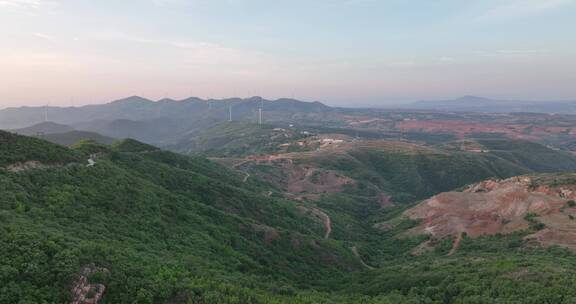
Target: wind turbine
[260,112]
[230,112]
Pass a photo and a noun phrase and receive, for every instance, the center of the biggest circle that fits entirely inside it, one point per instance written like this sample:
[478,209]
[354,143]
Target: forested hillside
[142,225]
[158,222]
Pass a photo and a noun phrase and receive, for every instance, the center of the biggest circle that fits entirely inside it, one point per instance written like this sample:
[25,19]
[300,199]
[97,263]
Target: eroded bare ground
[37,165]
[503,206]
[300,179]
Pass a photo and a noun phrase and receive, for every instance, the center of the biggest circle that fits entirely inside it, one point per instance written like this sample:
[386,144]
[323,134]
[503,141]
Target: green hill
[72,137]
[355,181]
[409,172]
[43,128]
[236,139]
[159,223]
[157,227]
[16,149]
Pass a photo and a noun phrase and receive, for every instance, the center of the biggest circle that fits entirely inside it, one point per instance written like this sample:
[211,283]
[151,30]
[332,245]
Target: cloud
[20,3]
[25,4]
[183,44]
[43,36]
[523,8]
[189,52]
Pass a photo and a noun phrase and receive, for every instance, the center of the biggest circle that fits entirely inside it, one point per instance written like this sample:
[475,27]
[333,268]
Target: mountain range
[162,122]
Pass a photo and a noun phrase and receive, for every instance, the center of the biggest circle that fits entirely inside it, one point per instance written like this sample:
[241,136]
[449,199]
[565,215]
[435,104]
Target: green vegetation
[237,139]
[19,149]
[130,145]
[410,176]
[72,137]
[176,229]
[151,217]
[537,157]
[534,223]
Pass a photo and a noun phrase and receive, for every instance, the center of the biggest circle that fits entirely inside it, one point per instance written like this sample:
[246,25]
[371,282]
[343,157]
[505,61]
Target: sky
[341,52]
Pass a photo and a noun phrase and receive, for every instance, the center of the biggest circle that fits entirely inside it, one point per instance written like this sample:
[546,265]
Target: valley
[315,205]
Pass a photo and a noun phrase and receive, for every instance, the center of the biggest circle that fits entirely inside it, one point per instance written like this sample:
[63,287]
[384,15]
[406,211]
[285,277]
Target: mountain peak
[47,127]
[470,98]
[132,100]
[132,145]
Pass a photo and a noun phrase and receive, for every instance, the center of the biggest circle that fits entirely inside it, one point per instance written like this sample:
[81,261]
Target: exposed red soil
[298,180]
[301,178]
[493,206]
[463,128]
[385,200]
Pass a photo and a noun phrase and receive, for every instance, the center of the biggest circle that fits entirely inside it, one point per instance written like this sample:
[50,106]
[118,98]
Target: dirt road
[357,254]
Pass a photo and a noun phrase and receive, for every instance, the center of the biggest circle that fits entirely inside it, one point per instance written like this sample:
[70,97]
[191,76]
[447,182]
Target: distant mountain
[164,122]
[190,110]
[43,128]
[155,131]
[486,105]
[62,134]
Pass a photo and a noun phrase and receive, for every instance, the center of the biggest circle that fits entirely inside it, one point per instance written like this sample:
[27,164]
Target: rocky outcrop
[24,166]
[83,292]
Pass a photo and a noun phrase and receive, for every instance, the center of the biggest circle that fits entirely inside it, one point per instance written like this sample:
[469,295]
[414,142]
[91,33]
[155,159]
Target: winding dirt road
[246,174]
[357,254]
[325,220]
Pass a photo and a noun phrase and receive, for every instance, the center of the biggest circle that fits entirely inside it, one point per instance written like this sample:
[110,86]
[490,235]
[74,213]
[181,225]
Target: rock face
[83,292]
[504,206]
[28,165]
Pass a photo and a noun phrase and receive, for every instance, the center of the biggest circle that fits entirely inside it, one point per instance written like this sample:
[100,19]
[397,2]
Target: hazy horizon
[350,104]
[340,52]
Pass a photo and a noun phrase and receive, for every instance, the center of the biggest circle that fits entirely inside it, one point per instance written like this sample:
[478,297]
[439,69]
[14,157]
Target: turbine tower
[230,112]
[260,111]
[260,116]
